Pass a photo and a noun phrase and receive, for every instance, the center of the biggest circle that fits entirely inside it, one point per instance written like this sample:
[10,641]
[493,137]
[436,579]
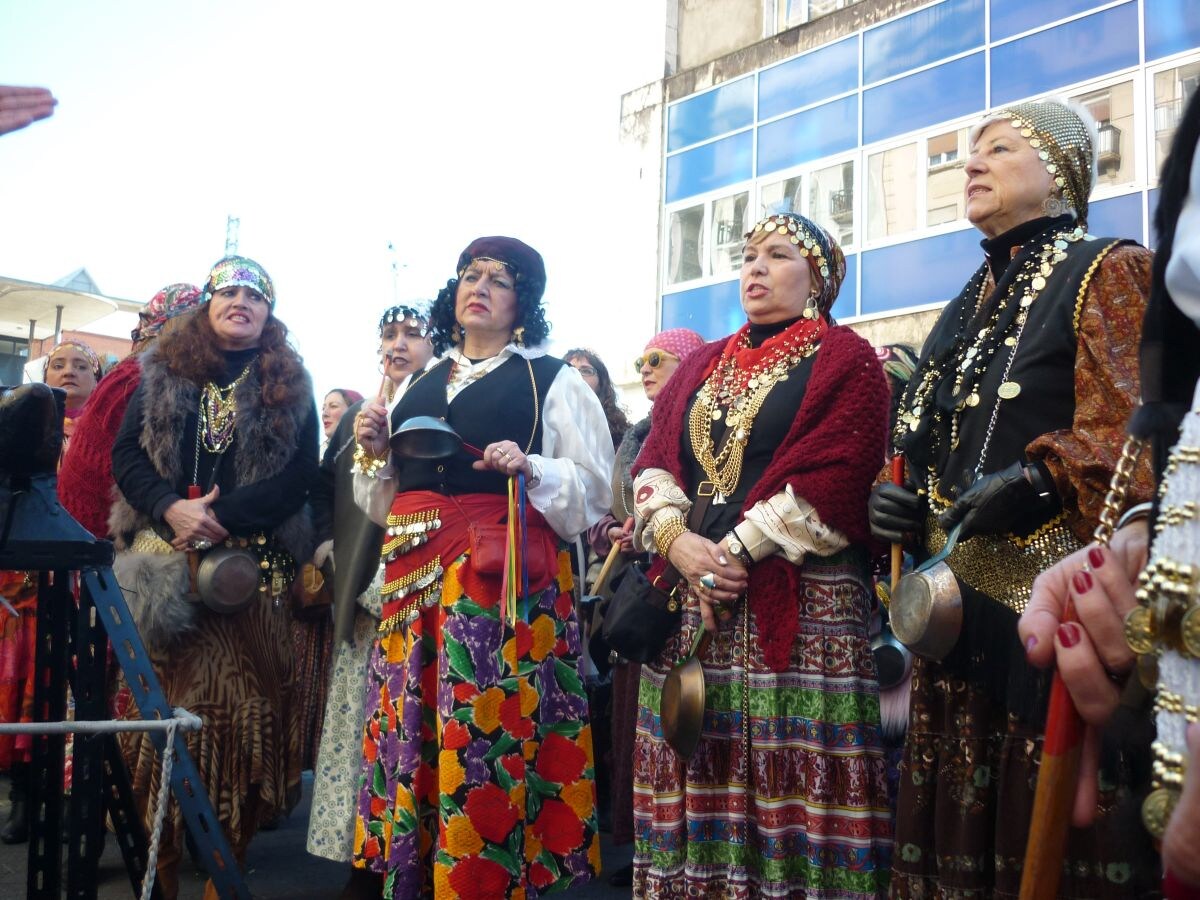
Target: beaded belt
[1004,566]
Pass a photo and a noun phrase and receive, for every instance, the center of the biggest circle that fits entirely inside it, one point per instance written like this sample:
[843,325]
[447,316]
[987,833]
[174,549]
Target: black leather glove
[895,513]
[994,502]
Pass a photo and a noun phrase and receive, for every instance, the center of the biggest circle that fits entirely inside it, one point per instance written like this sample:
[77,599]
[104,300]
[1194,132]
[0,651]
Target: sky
[330,131]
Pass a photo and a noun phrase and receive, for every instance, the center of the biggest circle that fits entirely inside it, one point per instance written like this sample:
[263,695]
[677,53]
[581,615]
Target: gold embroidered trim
[413,581]
[1004,566]
[1087,280]
[408,613]
[408,531]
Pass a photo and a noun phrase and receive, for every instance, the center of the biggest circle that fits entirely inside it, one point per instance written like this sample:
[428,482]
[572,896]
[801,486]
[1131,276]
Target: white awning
[22,301]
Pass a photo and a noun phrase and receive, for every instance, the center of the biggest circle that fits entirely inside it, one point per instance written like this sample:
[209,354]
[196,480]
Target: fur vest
[156,584]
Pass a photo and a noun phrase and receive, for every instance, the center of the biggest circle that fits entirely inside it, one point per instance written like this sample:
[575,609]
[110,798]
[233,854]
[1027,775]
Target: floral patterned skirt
[478,773]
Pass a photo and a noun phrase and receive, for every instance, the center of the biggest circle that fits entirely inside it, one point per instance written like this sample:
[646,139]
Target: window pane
[892,191]
[683,241]
[946,157]
[921,38]
[1076,51]
[831,201]
[846,303]
[714,310]
[932,270]
[729,229]
[727,108]
[1011,17]
[780,197]
[709,167]
[811,134]
[808,78]
[1152,206]
[916,101]
[1119,217]
[1171,26]
[1112,108]
[1172,91]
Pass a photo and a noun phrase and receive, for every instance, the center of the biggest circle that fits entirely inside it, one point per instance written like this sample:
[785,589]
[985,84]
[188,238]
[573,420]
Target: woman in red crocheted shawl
[784,425]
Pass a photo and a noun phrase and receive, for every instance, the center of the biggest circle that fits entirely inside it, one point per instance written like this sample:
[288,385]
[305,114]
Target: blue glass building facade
[867,134]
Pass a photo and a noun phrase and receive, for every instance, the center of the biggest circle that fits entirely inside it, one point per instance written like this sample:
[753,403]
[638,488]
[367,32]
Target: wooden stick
[897,549]
[606,568]
[1057,776]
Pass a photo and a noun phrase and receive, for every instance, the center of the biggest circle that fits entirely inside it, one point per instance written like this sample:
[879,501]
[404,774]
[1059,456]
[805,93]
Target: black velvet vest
[1044,367]
[500,406]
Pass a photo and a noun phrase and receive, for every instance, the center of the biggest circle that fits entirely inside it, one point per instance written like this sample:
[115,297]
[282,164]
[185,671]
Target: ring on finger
[708,580]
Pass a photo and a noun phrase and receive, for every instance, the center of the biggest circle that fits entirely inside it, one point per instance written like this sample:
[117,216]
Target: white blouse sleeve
[788,525]
[576,462]
[374,495]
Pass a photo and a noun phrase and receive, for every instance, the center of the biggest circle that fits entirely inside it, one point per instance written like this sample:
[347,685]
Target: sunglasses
[655,357]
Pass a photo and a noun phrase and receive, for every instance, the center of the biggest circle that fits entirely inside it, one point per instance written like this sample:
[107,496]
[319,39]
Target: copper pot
[681,708]
[926,610]
[227,579]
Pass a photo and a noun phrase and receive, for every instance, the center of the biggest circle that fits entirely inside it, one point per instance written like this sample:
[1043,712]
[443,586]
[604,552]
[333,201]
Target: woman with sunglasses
[662,355]
[776,433]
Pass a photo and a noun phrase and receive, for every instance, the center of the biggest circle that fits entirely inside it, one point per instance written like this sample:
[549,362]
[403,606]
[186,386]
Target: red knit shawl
[85,480]
[830,457]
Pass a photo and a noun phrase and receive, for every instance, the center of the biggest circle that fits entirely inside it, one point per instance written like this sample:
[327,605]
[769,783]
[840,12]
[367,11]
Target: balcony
[1167,115]
[1108,147]
[841,206]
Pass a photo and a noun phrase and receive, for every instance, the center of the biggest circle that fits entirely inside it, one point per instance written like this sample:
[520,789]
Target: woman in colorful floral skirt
[478,769]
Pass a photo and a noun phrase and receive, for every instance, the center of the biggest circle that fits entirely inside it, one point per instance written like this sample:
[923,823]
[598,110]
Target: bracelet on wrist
[666,534]
[1134,514]
[367,462]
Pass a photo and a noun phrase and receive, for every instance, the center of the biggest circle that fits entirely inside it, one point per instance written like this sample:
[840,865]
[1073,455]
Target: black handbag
[641,617]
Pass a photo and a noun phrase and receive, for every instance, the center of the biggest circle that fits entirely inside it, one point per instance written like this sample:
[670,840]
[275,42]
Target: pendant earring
[456,334]
[518,336]
[1053,206]
[811,310]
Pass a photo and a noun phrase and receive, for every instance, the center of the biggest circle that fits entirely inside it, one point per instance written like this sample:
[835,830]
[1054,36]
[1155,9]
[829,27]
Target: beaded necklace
[218,413]
[736,392]
[971,354]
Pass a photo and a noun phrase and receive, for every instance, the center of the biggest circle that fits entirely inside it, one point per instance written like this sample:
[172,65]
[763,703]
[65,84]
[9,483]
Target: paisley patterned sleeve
[1108,320]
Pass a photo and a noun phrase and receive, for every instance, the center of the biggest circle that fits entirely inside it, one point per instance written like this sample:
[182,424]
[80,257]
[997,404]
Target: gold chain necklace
[724,387]
[218,413]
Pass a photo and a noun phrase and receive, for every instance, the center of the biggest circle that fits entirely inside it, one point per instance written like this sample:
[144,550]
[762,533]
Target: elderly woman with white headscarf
[1011,426]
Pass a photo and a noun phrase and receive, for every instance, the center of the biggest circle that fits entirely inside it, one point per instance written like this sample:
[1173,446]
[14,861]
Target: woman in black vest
[218,447]
[478,772]
[1011,427]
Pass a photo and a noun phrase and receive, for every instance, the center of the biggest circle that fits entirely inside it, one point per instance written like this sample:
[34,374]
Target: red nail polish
[1082,582]
[1068,634]
[1095,557]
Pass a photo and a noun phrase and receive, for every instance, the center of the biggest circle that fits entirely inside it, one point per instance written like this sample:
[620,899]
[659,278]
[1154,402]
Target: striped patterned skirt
[791,802]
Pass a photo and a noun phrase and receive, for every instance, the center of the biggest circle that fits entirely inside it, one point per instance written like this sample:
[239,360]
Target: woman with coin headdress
[213,461]
[752,485]
[1011,428]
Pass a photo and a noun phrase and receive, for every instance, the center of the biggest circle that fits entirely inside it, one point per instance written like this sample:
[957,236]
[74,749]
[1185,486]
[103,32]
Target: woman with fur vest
[217,449]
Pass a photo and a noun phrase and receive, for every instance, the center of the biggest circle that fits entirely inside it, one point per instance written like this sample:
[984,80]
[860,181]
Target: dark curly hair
[618,422]
[190,351]
[530,314]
